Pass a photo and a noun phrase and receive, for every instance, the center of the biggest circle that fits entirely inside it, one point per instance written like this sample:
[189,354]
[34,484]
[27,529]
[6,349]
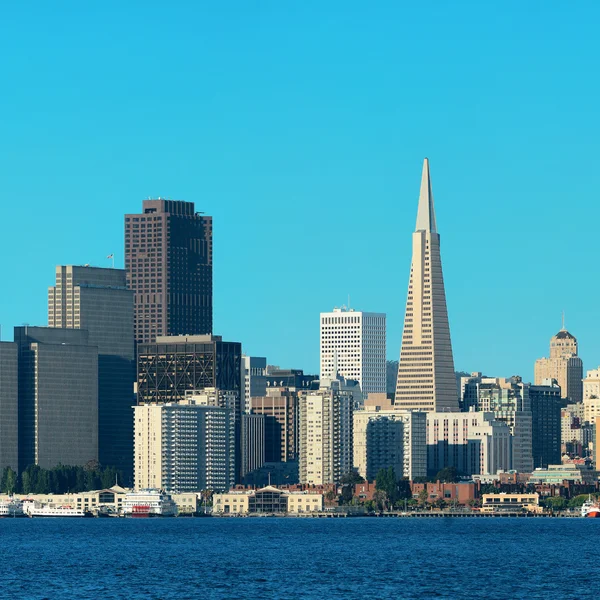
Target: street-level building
[499,503]
[267,500]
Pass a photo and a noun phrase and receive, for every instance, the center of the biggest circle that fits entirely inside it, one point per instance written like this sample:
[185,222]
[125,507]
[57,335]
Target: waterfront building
[280,408]
[98,301]
[294,379]
[253,443]
[426,380]
[546,407]
[326,433]
[254,383]
[591,395]
[499,503]
[185,447]
[557,474]
[509,400]
[352,343]
[58,397]
[385,436]
[267,500]
[564,365]
[475,443]
[9,405]
[169,264]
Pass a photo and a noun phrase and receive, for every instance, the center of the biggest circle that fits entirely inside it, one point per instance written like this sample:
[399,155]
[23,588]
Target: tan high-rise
[426,380]
[563,365]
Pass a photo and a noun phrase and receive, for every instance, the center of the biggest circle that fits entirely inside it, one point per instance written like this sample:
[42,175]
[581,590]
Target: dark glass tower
[168,259]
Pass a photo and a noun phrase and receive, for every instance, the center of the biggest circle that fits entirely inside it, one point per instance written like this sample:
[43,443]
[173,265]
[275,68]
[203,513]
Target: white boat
[150,502]
[590,509]
[11,508]
[35,509]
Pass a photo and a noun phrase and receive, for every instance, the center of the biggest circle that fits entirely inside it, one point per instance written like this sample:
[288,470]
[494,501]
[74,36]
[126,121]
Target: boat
[35,509]
[149,502]
[12,509]
[590,509]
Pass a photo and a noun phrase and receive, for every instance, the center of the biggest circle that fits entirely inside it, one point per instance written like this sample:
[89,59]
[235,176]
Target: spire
[426,213]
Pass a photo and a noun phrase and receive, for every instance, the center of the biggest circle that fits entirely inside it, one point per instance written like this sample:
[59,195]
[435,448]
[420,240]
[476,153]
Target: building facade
[267,500]
[426,380]
[591,395]
[564,365]
[9,405]
[58,397]
[546,405]
[280,407]
[98,301]
[253,443]
[352,343]
[254,375]
[169,264]
[184,447]
[472,442]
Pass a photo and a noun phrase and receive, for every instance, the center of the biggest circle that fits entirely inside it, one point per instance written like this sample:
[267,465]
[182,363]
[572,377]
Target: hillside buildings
[169,262]
[98,301]
[564,365]
[426,380]
[352,343]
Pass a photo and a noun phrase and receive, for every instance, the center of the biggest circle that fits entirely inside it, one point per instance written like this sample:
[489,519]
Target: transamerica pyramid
[426,380]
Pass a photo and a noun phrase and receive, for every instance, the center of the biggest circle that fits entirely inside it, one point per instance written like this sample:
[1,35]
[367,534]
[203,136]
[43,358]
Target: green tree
[352,477]
[578,501]
[440,503]
[423,497]
[555,503]
[448,475]
[380,499]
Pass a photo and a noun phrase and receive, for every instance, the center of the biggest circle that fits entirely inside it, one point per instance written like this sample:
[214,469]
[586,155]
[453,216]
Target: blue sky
[301,127]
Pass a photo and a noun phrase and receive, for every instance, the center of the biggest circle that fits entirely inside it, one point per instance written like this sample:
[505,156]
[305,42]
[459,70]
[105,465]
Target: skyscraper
[426,380]
[564,365]
[9,405]
[354,343]
[546,407]
[98,301]
[168,259]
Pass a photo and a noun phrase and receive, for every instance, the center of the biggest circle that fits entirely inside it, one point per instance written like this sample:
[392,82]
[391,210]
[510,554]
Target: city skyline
[289,161]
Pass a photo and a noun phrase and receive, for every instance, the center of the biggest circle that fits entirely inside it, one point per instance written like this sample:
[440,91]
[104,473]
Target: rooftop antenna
[563,320]
[348,301]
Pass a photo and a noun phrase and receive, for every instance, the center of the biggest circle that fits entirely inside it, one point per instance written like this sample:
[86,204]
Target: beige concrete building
[326,431]
[385,436]
[185,447]
[426,380]
[564,365]
[267,500]
[591,395]
[497,503]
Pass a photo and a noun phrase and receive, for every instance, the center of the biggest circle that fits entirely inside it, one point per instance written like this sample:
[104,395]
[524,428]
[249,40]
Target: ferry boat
[11,508]
[590,509]
[149,503]
[47,510]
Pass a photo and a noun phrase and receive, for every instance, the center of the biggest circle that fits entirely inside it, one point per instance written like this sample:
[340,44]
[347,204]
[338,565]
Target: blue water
[299,558]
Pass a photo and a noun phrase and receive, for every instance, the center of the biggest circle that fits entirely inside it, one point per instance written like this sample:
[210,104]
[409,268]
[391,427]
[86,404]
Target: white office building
[353,342]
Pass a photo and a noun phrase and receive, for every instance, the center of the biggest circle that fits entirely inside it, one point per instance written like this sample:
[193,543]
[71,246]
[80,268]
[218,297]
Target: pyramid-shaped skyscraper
[426,380]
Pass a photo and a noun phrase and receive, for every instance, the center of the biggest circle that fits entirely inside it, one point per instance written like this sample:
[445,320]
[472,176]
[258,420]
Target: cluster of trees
[557,503]
[390,490]
[59,480]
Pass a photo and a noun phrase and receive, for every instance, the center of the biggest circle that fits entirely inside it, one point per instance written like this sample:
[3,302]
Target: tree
[578,501]
[352,477]
[440,503]
[347,494]
[448,475]
[555,503]
[330,497]
[380,499]
[423,497]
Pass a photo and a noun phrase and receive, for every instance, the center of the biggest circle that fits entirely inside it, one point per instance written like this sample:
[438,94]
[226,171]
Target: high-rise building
[325,435]
[9,405]
[98,301]
[564,365]
[289,378]
[546,407]
[253,443]
[475,443]
[254,374]
[376,444]
[168,259]
[509,400]
[352,343]
[186,446]
[58,397]
[426,380]
[591,395]
[279,406]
